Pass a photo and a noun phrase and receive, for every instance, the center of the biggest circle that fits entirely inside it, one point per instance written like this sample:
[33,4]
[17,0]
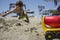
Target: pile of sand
[13,29]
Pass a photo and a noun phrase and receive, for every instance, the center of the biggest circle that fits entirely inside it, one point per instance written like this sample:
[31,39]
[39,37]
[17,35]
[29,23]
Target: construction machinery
[51,25]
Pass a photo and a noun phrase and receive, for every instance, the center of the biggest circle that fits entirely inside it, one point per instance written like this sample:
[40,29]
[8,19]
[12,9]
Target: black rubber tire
[58,35]
[51,36]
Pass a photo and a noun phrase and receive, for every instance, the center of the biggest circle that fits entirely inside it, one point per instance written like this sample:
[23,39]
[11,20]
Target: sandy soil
[13,29]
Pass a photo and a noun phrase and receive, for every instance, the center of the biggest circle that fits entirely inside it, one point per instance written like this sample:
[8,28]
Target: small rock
[1,27]
[18,24]
[36,31]
[33,29]
[37,34]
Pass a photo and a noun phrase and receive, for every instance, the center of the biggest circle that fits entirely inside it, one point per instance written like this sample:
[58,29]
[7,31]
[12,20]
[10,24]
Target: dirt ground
[13,29]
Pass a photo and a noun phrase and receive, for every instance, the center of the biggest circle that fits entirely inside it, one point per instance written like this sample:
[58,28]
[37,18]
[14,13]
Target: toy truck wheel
[58,35]
[49,36]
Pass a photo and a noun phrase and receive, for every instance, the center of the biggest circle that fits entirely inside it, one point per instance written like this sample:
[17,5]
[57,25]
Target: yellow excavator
[51,25]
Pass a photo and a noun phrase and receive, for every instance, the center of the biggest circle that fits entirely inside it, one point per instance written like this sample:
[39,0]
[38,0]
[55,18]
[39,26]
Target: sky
[30,4]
